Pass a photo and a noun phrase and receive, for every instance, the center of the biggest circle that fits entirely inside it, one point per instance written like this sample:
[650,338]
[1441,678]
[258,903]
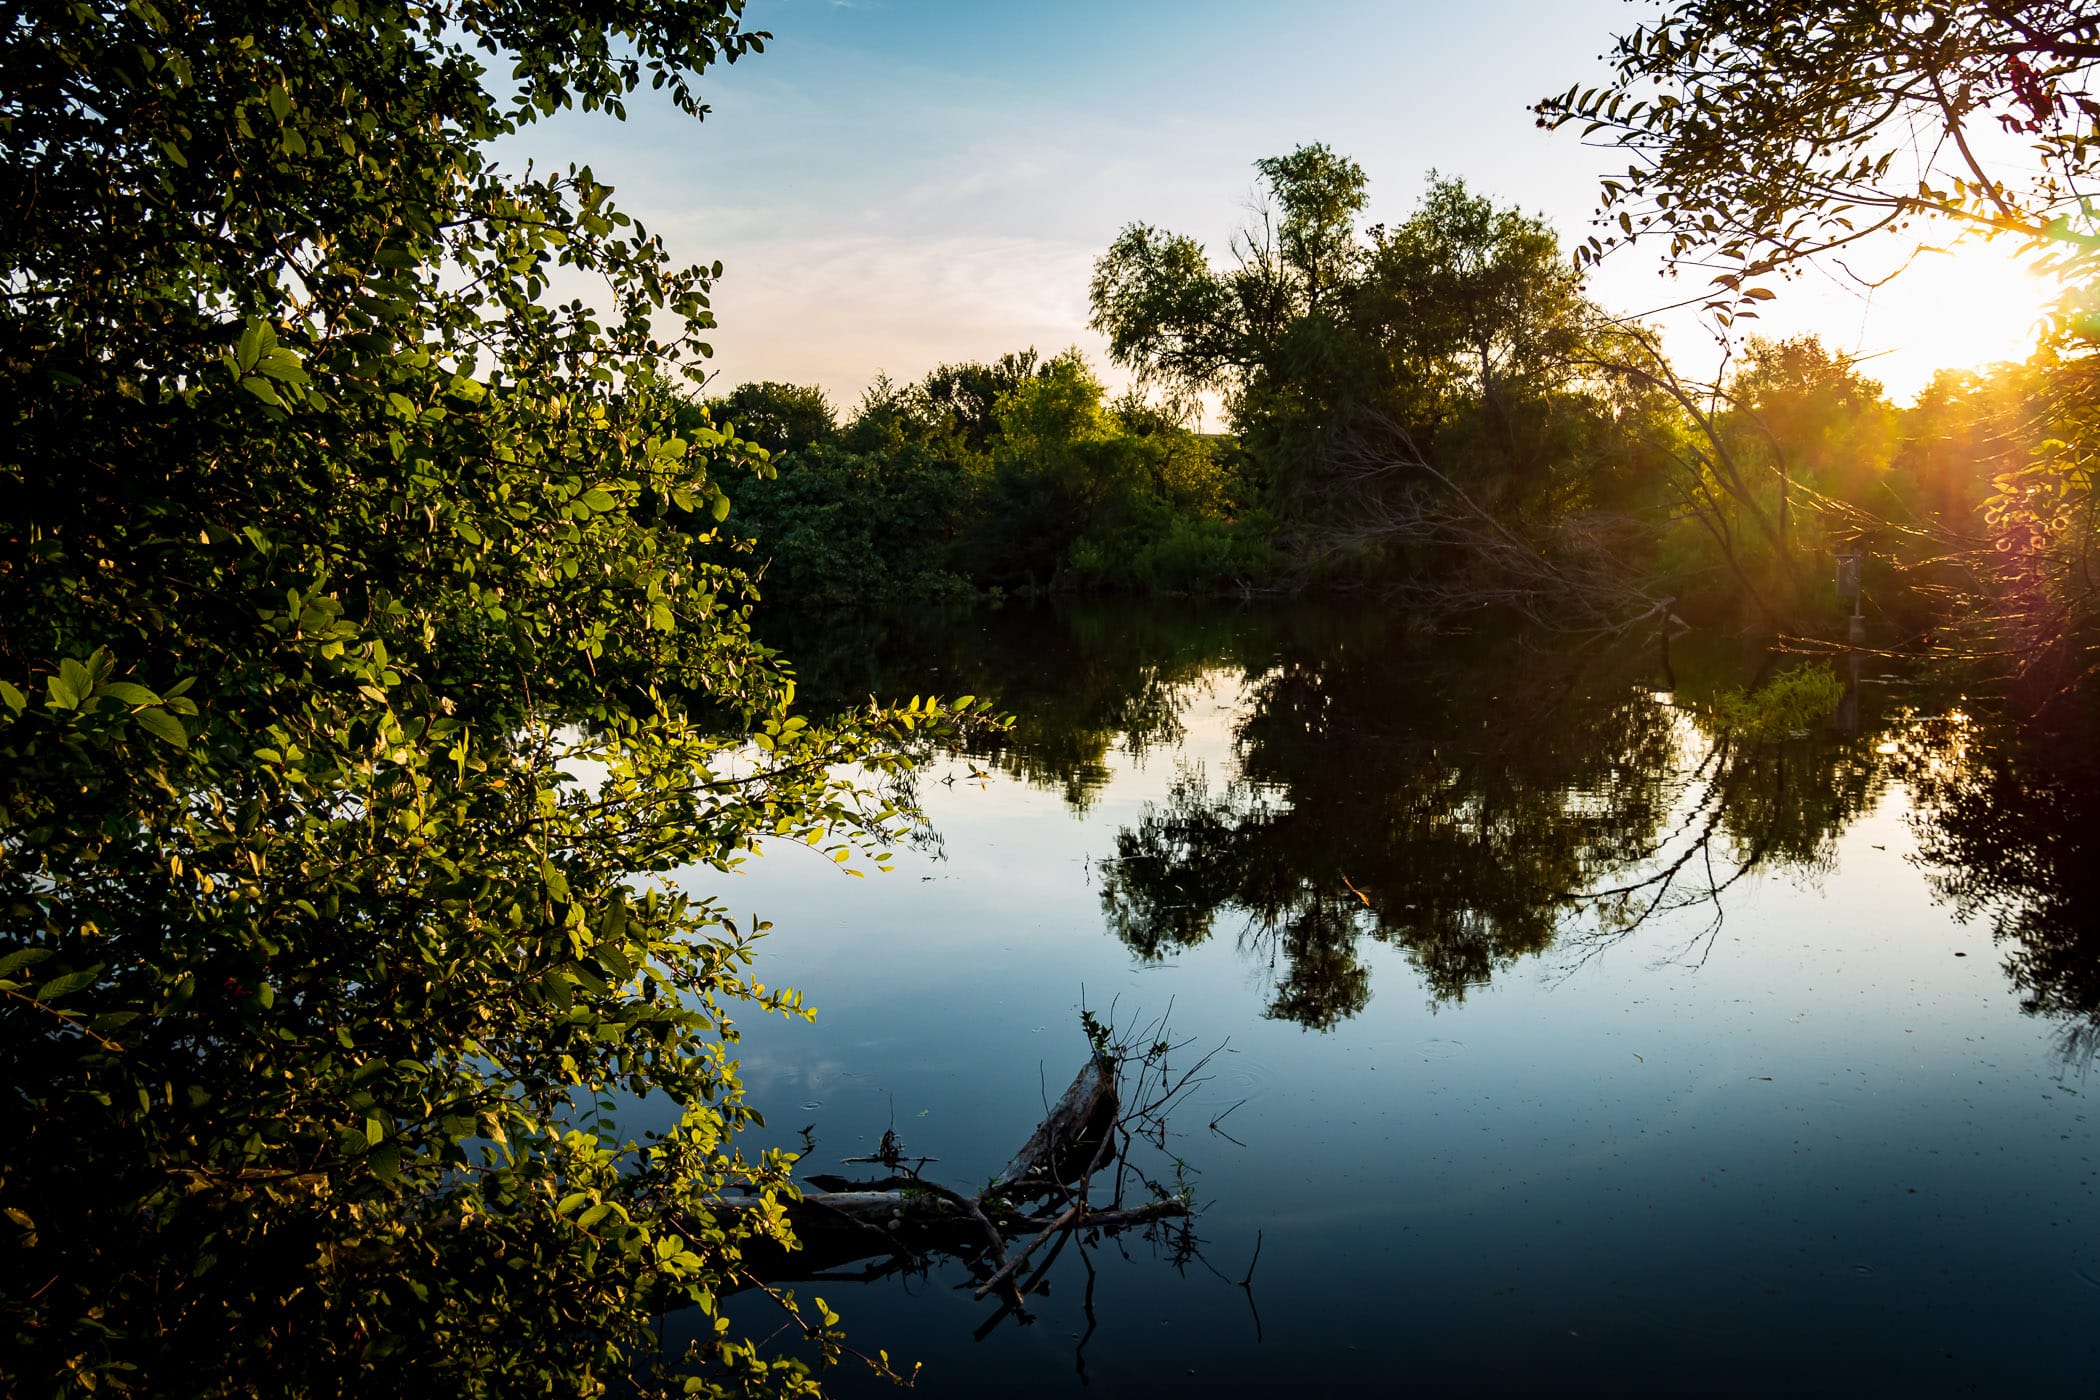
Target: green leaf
[599,500]
[12,698]
[250,347]
[128,693]
[284,366]
[163,725]
[592,1216]
[67,984]
[21,958]
[77,679]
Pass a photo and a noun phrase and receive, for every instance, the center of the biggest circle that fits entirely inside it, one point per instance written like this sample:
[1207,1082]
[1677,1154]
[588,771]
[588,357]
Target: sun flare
[1974,305]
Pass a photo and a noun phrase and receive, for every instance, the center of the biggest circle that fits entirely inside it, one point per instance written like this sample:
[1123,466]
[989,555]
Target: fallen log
[1041,1193]
[1066,1143]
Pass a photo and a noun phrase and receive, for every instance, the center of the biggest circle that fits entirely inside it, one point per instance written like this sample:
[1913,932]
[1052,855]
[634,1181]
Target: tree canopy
[1317,329]
[366,674]
[1762,134]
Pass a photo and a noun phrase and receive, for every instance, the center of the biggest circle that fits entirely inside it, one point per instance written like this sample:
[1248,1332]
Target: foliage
[777,417]
[364,677]
[1825,426]
[1319,194]
[1760,135]
[1434,409]
[1017,473]
[1784,705]
[1766,135]
[1409,402]
[1466,292]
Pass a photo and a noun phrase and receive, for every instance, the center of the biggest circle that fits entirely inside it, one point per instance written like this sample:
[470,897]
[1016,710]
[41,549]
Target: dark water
[1568,1046]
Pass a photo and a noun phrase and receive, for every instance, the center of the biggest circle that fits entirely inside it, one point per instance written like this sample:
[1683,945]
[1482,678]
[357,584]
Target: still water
[1566,1042]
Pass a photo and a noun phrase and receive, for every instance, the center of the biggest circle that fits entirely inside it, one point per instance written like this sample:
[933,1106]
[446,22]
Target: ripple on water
[1236,1075]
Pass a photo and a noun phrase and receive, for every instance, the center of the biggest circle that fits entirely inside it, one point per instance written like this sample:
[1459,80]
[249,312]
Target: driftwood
[1065,1143]
[1080,1151]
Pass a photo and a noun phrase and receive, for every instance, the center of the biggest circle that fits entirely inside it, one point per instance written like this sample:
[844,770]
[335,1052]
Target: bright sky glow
[897,183]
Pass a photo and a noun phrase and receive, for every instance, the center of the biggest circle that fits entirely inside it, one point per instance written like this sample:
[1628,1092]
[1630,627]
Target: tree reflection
[1473,801]
[2008,820]
[1470,802]
[1080,681]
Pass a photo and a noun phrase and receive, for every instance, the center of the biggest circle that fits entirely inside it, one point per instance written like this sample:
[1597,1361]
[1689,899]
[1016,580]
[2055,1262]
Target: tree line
[1437,410]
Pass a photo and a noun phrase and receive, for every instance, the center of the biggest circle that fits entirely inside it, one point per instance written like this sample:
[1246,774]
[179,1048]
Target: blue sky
[895,183]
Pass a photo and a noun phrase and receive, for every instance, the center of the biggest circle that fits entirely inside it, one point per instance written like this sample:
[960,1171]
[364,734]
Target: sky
[895,184]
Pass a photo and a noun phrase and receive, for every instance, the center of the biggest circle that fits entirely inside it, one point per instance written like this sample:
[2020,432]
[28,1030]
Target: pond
[1562,1040]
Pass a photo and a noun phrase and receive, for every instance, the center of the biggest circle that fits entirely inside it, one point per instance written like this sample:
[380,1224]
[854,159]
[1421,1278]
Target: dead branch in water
[1070,1179]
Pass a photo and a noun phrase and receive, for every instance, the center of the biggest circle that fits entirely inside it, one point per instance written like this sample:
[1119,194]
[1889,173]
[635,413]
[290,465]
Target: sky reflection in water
[1749,1123]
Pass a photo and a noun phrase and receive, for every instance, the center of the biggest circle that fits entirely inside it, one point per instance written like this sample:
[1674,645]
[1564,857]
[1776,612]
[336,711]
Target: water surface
[1566,1042]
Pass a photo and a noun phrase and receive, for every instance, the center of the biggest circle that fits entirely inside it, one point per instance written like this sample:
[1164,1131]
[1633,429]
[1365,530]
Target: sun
[1901,315]
[1969,307]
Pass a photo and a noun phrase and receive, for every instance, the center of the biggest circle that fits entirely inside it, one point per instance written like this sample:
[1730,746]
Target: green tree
[364,679]
[1828,425]
[1764,135]
[777,417]
[1061,468]
[1319,195]
[963,399]
[1174,319]
[1465,287]
[829,527]
[1456,328]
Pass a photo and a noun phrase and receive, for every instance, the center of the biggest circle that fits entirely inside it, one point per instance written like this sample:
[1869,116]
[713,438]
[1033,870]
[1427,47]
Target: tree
[963,399]
[1763,134]
[1316,330]
[363,680]
[1175,320]
[1320,194]
[1462,281]
[1825,429]
[778,417]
